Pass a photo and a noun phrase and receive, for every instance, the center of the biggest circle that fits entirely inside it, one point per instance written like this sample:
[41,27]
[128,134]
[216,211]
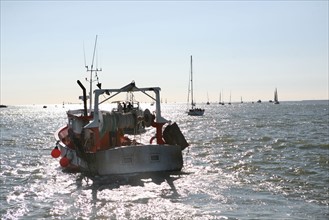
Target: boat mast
[188,90]
[230,98]
[191,84]
[91,70]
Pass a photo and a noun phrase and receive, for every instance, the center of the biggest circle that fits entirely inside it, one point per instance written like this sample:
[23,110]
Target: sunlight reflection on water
[241,163]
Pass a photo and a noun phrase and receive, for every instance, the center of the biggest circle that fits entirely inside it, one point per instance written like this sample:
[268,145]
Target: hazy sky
[246,48]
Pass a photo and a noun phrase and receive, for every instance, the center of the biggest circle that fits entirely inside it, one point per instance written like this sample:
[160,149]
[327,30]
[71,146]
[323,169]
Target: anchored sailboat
[276,100]
[193,111]
[230,99]
[208,103]
[220,99]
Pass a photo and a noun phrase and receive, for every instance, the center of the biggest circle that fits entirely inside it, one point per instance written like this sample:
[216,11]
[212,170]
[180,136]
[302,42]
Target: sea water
[245,161]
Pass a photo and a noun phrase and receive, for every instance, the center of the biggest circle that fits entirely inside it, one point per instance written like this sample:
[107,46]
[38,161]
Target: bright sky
[246,48]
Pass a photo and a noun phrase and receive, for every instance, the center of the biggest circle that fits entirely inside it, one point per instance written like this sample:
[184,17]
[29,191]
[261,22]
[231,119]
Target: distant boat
[3,106]
[223,103]
[241,100]
[208,103]
[220,99]
[44,106]
[259,101]
[276,100]
[193,111]
[230,99]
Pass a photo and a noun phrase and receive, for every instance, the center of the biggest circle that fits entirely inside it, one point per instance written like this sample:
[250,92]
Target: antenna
[84,54]
[91,70]
[92,63]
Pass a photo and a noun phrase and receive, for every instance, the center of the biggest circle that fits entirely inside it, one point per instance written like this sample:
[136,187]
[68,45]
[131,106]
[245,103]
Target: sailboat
[230,99]
[193,111]
[208,103]
[222,102]
[276,100]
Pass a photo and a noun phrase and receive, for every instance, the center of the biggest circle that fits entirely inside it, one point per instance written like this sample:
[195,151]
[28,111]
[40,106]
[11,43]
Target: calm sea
[245,161]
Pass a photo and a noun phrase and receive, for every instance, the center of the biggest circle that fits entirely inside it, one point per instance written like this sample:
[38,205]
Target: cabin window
[155,157]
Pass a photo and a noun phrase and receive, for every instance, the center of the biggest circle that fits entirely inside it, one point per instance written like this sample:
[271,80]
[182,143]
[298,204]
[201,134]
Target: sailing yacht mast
[208,103]
[191,84]
[193,111]
[230,99]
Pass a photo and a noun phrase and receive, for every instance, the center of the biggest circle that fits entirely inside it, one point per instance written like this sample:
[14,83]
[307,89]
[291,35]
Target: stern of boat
[138,159]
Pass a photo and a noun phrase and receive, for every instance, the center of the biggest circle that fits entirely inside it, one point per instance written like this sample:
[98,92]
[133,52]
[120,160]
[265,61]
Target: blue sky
[246,48]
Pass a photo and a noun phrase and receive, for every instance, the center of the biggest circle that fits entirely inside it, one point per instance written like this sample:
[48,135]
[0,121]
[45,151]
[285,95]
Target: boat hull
[123,159]
[194,112]
[137,159]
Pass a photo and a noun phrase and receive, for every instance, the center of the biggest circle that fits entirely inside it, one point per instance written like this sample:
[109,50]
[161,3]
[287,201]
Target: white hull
[136,159]
[126,159]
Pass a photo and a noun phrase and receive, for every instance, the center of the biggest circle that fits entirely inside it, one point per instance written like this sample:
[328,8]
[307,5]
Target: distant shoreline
[319,100]
[246,102]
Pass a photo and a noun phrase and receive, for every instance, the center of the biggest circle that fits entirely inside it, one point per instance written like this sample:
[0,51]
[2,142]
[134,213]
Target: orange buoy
[55,153]
[64,161]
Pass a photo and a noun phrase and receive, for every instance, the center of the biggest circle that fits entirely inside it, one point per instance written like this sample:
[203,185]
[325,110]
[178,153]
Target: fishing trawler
[94,141]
